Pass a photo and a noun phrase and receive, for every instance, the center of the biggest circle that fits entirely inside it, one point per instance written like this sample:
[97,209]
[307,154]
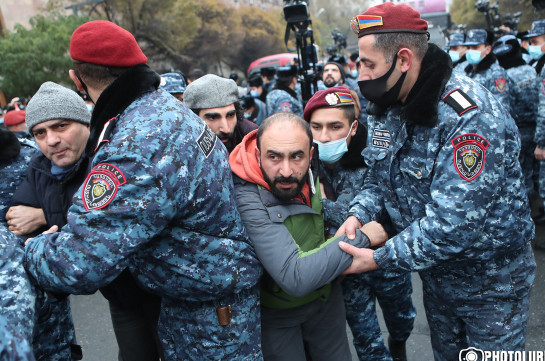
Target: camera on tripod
[298,20]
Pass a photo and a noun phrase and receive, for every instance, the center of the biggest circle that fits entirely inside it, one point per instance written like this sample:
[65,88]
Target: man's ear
[354,128]
[75,79]
[487,49]
[405,55]
[311,154]
[258,155]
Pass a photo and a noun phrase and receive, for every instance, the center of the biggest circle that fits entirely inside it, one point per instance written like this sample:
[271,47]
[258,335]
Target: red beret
[333,97]
[14,117]
[389,18]
[102,42]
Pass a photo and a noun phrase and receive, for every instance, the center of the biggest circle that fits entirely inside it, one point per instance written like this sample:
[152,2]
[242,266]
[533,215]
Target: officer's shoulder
[459,101]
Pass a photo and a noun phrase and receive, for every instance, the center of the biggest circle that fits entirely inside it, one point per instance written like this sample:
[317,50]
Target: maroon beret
[336,96]
[389,18]
[14,117]
[102,42]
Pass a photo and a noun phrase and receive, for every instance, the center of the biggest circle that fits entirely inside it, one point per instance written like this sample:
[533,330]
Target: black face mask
[375,90]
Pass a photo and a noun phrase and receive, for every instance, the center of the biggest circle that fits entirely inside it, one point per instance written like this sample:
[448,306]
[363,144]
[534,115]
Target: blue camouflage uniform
[12,346]
[282,101]
[159,201]
[17,295]
[392,289]
[521,80]
[539,137]
[15,155]
[445,167]
[492,76]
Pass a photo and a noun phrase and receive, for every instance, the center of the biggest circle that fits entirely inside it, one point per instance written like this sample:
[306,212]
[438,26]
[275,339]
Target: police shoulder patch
[469,155]
[501,84]
[285,107]
[206,141]
[101,186]
[459,101]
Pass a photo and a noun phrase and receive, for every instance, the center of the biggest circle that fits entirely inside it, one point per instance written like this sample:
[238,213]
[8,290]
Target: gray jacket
[296,271]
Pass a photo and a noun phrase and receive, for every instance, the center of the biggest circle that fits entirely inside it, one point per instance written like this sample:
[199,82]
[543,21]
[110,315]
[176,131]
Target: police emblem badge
[501,84]
[101,186]
[469,155]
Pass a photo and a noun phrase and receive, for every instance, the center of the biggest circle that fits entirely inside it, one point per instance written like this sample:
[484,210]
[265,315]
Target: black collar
[421,105]
[511,60]
[291,92]
[539,64]
[117,96]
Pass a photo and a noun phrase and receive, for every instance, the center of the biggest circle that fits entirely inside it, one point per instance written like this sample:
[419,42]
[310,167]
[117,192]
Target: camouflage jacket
[492,76]
[539,137]
[524,94]
[280,100]
[445,167]
[159,201]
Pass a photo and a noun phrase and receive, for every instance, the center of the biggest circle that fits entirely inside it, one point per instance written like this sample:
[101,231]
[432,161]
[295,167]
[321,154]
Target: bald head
[284,120]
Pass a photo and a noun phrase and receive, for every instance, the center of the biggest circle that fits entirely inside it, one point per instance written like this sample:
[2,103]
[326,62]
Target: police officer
[340,140]
[175,84]
[443,156]
[521,80]
[158,201]
[284,97]
[257,90]
[457,49]
[536,48]
[482,66]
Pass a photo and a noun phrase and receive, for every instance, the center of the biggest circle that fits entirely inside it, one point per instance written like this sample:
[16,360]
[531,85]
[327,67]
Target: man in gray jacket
[280,204]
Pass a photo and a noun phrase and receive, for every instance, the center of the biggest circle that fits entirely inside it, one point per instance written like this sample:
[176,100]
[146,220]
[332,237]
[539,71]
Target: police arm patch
[206,141]
[459,101]
[285,107]
[469,155]
[101,186]
[501,84]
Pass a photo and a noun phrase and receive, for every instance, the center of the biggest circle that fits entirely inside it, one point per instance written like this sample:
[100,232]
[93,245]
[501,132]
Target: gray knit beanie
[53,101]
[211,91]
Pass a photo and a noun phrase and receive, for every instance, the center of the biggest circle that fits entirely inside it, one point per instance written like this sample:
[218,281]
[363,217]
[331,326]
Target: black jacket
[42,190]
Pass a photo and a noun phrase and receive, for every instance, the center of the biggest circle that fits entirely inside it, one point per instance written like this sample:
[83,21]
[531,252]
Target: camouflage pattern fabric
[159,201]
[455,194]
[13,347]
[281,101]
[494,79]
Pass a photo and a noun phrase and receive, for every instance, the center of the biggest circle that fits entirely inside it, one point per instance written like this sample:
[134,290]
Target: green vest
[307,230]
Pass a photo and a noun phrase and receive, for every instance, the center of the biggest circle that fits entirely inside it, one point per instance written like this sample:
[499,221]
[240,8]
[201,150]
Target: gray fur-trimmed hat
[211,91]
[53,101]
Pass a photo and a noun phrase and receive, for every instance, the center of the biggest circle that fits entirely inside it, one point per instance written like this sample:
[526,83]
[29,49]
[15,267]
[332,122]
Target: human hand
[349,227]
[362,259]
[53,229]
[375,232]
[24,220]
[539,153]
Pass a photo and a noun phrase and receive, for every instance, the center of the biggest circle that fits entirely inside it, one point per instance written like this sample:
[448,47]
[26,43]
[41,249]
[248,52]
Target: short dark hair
[293,118]
[390,43]
[97,76]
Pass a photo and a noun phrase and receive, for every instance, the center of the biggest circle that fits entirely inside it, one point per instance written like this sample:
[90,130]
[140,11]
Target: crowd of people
[225,222]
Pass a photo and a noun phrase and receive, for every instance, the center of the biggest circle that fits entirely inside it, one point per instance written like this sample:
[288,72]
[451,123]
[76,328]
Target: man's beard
[285,195]
[329,82]
[230,144]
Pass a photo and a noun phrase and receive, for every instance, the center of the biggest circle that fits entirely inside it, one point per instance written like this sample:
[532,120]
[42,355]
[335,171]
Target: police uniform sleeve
[539,137]
[17,303]
[475,193]
[296,271]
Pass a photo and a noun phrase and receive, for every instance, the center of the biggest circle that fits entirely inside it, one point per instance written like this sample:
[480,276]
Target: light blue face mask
[473,57]
[354,73]
[332,152]
[254,94]
[454,55]
[535,51]
[90,108]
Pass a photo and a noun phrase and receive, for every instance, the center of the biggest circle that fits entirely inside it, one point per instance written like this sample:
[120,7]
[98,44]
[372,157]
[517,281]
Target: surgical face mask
[535,51]
[254,94]
[90,108]
[247,115]
[454,55]
[473,57]
[332,152]
[354,73]
[375,90]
